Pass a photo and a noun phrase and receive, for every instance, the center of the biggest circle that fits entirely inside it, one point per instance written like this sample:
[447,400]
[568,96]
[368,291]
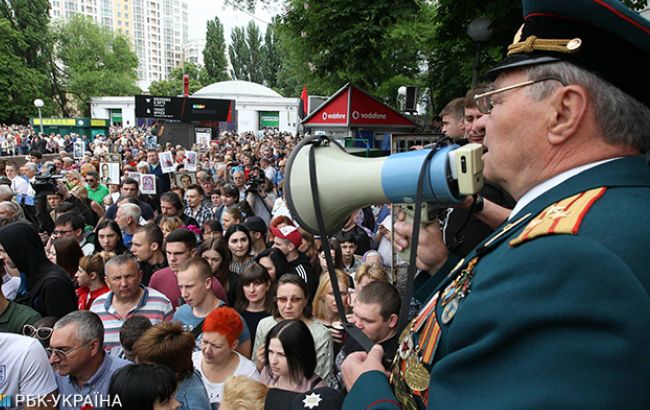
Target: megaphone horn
[346,182]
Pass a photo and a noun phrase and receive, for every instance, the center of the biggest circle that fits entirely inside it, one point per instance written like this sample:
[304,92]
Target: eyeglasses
[484,101]
[90,181]
[40,333]
[293,299]
[58,232]
[63,354]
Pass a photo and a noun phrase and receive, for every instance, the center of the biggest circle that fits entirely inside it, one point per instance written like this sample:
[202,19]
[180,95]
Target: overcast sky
[200,11]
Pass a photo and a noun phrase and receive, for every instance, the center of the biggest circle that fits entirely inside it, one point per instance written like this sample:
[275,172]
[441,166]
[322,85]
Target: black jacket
[50,288]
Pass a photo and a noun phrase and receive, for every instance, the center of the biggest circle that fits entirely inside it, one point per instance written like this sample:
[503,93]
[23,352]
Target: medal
[403,395]
[405,346]
[417,377]
[449,311]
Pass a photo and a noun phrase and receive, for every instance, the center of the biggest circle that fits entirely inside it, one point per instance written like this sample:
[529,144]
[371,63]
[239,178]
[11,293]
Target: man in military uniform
[551,311]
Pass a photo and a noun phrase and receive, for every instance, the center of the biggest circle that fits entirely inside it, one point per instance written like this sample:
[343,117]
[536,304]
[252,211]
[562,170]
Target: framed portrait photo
[185,179]
[148,184]
[166,162]
[79,149]
[109,173]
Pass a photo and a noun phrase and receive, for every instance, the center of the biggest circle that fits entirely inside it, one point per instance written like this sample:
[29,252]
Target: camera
[46,182]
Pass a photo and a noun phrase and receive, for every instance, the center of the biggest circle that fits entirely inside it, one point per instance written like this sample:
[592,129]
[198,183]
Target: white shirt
[547,185]
[19,185]
[245,367]
[24,366]
[10,286]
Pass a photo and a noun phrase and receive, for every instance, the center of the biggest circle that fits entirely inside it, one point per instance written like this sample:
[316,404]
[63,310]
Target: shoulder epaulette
[563,217]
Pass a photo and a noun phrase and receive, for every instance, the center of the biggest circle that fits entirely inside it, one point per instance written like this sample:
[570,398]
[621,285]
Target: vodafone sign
[351,106]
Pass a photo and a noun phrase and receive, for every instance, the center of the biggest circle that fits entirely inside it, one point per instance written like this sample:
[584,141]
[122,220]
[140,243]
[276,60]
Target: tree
[254,45]
[198,76]
[94,62]
[214,53]
[272,58]
[24,48]
[238,51]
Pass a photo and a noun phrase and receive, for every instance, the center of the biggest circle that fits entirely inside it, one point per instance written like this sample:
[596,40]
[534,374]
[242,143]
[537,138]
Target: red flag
[303,110]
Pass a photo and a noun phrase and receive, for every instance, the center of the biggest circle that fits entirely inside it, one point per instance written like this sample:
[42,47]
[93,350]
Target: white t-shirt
[10,286]
[24,367]
[215,390]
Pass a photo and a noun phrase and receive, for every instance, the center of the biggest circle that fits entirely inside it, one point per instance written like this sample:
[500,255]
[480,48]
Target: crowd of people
[206,282]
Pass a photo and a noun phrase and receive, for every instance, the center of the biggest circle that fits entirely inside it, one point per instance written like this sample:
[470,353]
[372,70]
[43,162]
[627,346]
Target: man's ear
[392,320]
[570,104]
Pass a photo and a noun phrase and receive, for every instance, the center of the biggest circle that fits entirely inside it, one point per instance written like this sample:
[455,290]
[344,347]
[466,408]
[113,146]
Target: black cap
[602,36]
[322,398]
[255,224]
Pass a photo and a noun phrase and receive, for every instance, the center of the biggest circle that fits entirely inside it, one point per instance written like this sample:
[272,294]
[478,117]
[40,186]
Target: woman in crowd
[308,246]
[324,306]
[291,302]
[274,262]
[337,258]
[66,253]
[144,387]
[239,245]
[108,237]
[212,229]
[169,224]
[215,252]
[231,216]
[72,179]
[97,212]
[242,393]
[290,358]
[218,359]
[367,273]
[168,344]
[254,299]
[90,278]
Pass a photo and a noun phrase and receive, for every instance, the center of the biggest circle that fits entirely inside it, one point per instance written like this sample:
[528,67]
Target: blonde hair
[242,393]
[373,272]
[170,223]
[319,308]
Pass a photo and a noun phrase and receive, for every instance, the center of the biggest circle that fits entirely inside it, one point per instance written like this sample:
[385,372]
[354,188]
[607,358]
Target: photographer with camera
[260,195]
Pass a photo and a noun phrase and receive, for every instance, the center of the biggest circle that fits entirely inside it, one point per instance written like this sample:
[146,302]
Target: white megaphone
[346,182]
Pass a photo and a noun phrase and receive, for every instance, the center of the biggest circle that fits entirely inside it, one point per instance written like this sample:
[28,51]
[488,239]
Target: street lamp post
[38,103]
[480,31]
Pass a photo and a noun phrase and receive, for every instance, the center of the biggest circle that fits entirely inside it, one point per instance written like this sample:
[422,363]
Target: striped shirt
[154,306]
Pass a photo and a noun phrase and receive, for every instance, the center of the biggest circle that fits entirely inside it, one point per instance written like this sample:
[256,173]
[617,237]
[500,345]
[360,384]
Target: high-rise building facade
[157,29]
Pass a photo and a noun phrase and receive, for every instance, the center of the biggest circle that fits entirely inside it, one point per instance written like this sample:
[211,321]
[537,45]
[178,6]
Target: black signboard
[182,109]
[152,106]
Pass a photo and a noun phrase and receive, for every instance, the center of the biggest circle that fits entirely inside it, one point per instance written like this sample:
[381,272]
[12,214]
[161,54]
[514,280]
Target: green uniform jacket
[561,321]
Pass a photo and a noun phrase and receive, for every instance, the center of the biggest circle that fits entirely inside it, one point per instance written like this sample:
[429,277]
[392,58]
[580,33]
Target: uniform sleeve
[37,376]
[371,392]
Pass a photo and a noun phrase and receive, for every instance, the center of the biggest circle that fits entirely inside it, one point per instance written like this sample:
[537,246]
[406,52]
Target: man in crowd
[172,205]
[452,119]
[361,237]
[195,282]
[288,239]
[72,225]
[147,247]
[239,182]
[195,208]
[128,218]
[524,314]
[351,261]
[96,191]
[257,230]
[130,189]
[127,298]
[18,184]
[78,357]
[179,247]
[375,313]
[14,316]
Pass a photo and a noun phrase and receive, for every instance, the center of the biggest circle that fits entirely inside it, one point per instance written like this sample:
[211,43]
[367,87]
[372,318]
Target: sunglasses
[40,333]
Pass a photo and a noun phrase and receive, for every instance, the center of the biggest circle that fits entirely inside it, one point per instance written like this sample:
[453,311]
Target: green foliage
[24,50]
[94,62]
[214,54]
[272,58]
[238,51]
[198,76]
[254,45]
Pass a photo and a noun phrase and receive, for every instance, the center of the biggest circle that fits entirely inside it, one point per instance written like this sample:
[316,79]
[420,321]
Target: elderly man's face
[515,135]
[238,179]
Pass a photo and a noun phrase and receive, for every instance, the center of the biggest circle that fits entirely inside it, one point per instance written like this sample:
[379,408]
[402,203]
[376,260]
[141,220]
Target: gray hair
[12,208]
[6,193]
[623,120]
[132,210]
[120,260]
[89,325]
[32,166]
[143,164]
